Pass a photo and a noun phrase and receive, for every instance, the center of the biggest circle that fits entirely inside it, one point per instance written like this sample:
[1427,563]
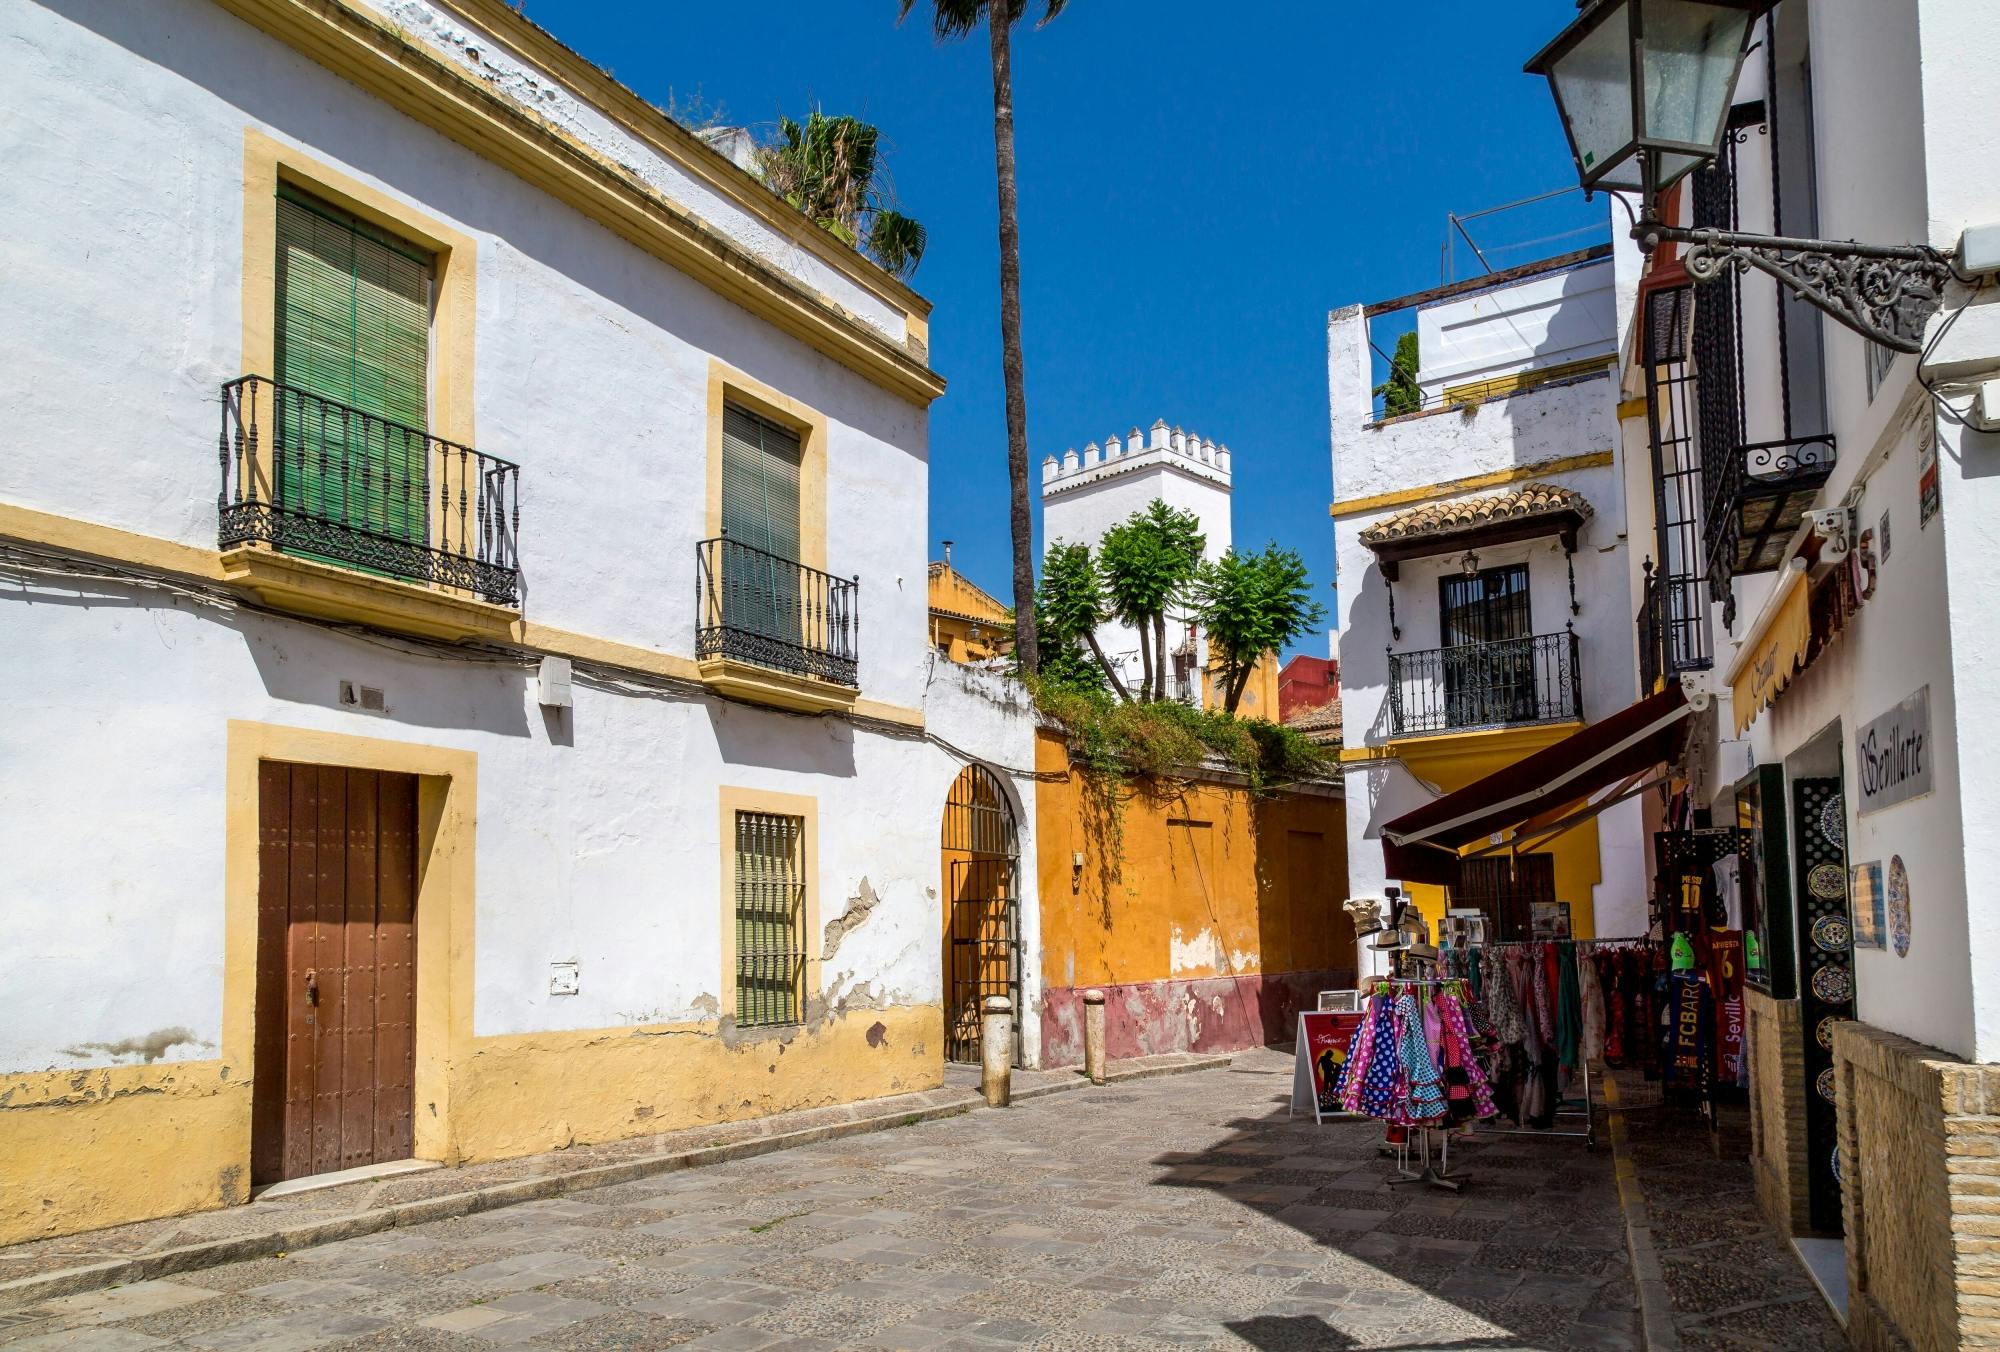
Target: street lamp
[1643,88]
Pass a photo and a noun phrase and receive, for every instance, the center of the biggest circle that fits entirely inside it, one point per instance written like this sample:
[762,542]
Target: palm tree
[950,20]
[832,170]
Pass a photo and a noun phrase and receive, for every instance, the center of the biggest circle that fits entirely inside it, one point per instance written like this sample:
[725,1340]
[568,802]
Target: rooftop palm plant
[831,168]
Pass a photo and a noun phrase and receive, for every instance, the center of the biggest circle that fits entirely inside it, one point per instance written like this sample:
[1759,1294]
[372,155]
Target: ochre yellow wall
[1260,692]
[1454,760]
[956,605]
[1235,897]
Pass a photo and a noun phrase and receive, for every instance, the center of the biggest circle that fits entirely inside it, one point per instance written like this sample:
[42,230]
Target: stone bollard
[996,1051]
[1093,1035]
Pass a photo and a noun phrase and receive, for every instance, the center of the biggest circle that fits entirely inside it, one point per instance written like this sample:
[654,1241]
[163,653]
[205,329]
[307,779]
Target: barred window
[770,919]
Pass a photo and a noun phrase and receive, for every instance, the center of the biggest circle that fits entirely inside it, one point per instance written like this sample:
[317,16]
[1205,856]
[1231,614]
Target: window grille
[770,919]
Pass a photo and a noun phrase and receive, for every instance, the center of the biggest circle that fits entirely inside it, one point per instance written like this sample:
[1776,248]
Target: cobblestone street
[1185,1210]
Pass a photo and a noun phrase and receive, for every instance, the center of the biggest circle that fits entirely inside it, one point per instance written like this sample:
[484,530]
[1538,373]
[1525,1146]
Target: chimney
[947,554]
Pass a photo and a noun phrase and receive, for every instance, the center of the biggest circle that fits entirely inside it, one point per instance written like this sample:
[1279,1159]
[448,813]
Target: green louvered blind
[770,918]
[760,509]
[353,327]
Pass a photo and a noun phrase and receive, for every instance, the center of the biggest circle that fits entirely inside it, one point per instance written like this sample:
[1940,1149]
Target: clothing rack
[1588,1133]
[1436,1172]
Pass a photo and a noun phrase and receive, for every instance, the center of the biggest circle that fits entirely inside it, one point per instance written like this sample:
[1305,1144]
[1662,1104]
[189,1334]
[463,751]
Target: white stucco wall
[592,357]
[121,242]
[1544,321]
[513,76]
[1540,425]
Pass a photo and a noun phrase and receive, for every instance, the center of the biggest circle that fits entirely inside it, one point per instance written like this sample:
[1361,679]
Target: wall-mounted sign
[1928,496]
[1892,754]
[1871,929]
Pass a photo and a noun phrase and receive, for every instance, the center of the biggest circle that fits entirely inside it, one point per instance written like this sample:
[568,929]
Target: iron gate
[982,857]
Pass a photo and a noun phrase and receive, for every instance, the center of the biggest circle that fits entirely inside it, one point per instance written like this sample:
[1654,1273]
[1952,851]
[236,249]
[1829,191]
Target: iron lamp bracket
[1878,290]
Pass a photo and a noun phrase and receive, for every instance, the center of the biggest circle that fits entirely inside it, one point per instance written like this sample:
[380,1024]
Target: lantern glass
[1593,88]
[1691,52]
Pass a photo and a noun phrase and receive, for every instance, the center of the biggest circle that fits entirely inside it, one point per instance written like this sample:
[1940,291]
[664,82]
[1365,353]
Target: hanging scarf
[1569,1007]
[1592,993]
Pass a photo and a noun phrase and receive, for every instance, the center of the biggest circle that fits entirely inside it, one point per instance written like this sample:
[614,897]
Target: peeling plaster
[859,907]
[1203,953]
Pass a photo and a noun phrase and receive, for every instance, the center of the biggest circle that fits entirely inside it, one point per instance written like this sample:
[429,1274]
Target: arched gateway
[980,866]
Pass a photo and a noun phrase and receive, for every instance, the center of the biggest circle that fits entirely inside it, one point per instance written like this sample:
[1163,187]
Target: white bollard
[996,1051]
[1093,1035]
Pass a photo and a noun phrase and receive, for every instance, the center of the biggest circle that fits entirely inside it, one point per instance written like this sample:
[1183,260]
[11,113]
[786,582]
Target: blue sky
[1200,184]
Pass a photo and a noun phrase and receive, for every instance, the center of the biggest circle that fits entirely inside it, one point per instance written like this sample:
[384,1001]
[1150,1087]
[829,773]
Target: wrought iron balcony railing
[307,476]
[757,607]
[1508,683]
[1757,497]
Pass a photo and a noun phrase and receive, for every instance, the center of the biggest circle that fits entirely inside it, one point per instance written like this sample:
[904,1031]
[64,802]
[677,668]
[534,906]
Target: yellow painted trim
[727,385]
[761,685]
[688,151]
[415,609]
[1451,487]
[731,801]
[1632,408]
[367,52]
[267,162]
[1436,746]
[447,813]
[286,582]
[1499,387]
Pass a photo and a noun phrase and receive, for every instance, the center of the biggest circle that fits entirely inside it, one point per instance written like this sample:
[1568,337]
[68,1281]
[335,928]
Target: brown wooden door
[336,970]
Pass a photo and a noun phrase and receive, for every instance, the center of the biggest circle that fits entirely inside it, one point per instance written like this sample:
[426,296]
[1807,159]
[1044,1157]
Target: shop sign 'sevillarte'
[1892,754]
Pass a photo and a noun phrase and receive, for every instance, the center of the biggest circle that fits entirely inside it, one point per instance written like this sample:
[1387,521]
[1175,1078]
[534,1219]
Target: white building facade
[465,544]
[1484,612]
[1818,518]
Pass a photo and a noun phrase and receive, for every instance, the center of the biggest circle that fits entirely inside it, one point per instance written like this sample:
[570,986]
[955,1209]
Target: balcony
[312,489]
[1511,683]
[1757,497]
[772,630]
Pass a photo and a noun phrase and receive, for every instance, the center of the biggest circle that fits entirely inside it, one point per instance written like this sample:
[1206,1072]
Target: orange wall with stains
[1220,895]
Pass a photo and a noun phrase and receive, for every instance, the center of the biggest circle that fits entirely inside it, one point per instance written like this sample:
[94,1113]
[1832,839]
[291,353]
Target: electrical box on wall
[563,978]
[363,698]
[552,683]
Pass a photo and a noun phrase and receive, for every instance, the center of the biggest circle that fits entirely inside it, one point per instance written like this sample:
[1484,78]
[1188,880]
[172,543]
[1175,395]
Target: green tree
[1400,392]
[831,168]
[1251,604]
[1068,608]
[1147,562]
[950,20]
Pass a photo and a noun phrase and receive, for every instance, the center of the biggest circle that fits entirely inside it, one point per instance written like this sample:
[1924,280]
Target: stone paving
[1732,1283]
[1185,1211]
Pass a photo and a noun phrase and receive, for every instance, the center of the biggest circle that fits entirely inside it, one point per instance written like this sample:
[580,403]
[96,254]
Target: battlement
[1167,447]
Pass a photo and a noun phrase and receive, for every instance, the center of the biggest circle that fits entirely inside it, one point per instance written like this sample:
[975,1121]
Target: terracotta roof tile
[1445,518]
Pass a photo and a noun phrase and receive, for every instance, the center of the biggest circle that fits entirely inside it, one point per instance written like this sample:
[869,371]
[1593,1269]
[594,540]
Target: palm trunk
[1027,648]
[1110,672]
[1160,643]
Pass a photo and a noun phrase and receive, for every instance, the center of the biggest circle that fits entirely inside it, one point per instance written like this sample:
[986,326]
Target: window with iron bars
[770,919]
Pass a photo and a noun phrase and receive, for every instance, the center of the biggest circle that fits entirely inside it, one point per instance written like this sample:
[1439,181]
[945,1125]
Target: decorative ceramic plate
[1823,1030]
[1833,822]
[1834,985]
[1836,1164]
[1824,1084]
[1831,932]
[1828,882]
[1899,906]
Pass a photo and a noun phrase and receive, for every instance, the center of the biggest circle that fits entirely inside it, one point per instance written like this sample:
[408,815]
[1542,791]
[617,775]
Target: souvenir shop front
[1538,1008]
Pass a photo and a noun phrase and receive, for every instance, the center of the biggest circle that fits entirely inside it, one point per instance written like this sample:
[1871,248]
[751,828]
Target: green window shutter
[353,328]
[760,509]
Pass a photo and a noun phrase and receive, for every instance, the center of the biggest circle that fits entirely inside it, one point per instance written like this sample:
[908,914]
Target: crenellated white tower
[1085,495]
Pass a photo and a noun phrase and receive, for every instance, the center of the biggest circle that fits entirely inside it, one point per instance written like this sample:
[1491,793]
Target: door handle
[312,986]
